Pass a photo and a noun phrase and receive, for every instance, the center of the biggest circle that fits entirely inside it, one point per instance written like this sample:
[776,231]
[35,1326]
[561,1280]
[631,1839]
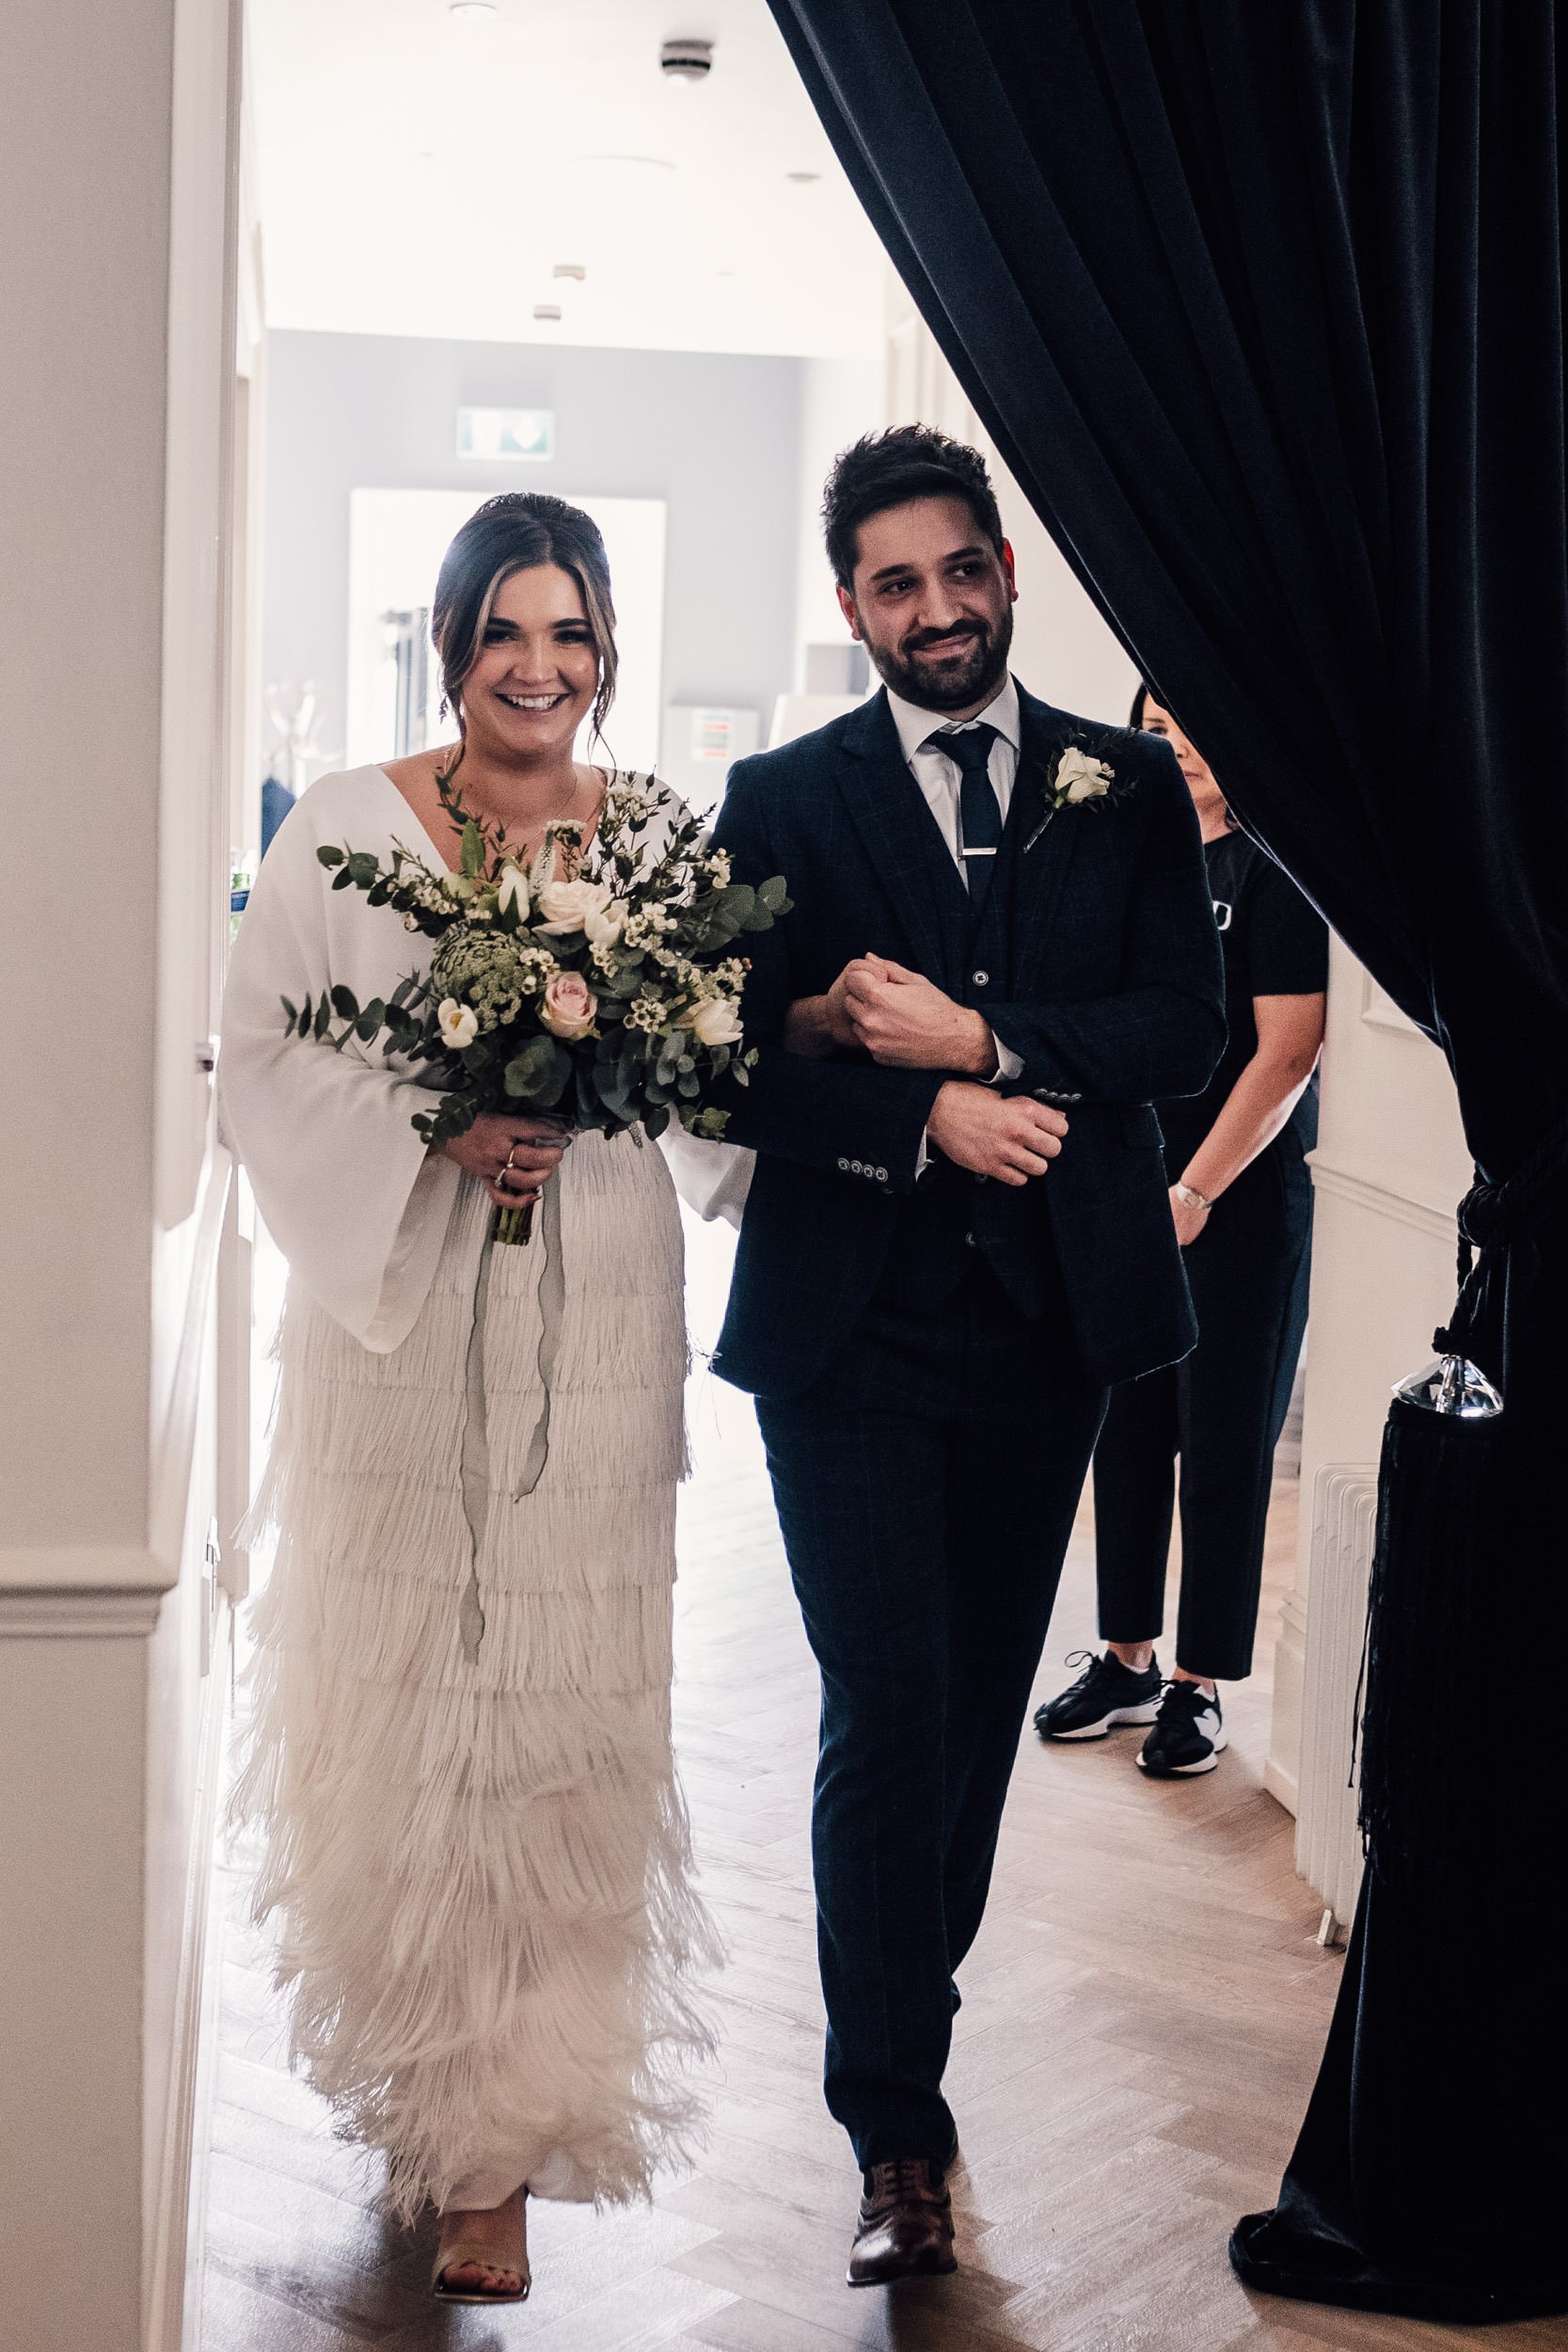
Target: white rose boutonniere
[1079,781]
[1079,778]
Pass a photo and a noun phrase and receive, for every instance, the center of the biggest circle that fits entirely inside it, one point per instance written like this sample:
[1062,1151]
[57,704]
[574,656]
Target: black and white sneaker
[1105,1693]
[1188,1734]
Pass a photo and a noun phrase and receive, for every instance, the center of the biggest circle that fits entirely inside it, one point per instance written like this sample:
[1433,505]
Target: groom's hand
[1012,1137]
[904,1020]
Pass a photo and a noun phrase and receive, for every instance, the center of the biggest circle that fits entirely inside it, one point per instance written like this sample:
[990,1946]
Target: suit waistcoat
[952,1215]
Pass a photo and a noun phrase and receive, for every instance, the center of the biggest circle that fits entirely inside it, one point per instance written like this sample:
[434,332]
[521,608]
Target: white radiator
[1328,1844]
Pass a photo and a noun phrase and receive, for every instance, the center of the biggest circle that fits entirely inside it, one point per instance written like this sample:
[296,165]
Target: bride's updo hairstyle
[516,533]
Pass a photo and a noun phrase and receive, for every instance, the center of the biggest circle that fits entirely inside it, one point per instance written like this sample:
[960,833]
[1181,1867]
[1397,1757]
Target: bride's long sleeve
[352,1198]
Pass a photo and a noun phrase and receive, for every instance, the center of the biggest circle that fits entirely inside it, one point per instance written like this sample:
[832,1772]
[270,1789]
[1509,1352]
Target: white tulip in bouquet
[595,983]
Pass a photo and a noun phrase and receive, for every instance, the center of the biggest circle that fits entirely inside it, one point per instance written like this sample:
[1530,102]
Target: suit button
[982,1180]
[844,1165]
[968,1241]
[856,1168]
[979,978]
[881,1175]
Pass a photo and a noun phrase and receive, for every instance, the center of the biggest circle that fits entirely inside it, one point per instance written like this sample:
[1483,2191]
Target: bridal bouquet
[591,984]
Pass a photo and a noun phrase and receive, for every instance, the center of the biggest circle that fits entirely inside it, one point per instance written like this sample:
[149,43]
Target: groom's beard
[959,680]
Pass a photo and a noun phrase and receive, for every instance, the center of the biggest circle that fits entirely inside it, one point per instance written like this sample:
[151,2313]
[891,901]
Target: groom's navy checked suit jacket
[1096,960]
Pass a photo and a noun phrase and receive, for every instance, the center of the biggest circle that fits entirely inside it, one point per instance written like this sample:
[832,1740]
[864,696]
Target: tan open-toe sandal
[484,2258]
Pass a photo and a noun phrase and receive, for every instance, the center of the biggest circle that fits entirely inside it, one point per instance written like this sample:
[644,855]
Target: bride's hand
[534,1145]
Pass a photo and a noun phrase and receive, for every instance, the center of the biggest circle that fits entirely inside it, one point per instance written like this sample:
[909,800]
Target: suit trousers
[1221,1410]
[926,1490]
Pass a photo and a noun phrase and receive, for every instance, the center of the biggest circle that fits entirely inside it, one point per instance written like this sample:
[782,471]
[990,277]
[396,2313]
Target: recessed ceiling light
[470,11]
[802,178]
[546,311]
[570,269]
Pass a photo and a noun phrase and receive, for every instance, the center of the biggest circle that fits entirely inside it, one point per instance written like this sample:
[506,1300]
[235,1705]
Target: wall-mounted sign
[713,736]
[700,744]
[493,433]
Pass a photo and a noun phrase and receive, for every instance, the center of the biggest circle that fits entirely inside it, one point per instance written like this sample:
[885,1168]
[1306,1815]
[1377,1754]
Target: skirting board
[174,2256]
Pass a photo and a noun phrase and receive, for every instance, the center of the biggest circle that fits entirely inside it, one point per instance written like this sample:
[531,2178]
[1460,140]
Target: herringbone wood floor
[1141,2021]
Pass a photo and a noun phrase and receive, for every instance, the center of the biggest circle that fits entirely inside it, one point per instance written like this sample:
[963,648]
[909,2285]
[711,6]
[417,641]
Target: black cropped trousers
[1219,1413]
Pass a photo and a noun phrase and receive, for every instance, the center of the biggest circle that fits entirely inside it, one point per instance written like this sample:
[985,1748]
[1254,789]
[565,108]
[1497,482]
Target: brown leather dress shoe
[905,2228]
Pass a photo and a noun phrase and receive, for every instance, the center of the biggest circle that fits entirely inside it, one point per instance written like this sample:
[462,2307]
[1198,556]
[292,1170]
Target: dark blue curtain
[1262,305]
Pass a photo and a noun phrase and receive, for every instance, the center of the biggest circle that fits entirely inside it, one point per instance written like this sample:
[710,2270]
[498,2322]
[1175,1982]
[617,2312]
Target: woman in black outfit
[1241,1198]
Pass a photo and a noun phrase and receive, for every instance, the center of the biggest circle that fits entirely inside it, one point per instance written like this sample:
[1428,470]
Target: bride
[460,1762]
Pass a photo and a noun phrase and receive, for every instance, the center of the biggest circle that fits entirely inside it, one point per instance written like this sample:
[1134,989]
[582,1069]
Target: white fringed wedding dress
[459,1758]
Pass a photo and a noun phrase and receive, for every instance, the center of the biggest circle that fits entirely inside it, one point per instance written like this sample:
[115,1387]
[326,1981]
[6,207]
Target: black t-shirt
[1274,944]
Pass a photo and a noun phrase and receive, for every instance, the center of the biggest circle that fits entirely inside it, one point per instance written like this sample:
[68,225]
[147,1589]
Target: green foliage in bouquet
[595,984]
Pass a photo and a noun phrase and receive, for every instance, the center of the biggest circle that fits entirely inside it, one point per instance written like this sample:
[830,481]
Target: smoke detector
[686,61]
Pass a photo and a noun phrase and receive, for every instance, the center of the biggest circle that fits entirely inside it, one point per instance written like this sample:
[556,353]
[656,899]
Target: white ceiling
[421,174]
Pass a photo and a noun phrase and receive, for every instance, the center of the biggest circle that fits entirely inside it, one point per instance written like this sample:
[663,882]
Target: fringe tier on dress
[459,1758]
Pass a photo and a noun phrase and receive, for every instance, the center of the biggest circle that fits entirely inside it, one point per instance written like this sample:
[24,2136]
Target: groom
[958,1236]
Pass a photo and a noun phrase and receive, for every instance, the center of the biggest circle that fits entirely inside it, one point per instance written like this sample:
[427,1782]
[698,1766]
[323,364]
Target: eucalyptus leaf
[344,1002]
[329,856]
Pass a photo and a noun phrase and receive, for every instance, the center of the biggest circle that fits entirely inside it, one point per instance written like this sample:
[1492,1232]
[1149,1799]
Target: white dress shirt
[941,781]
[939,777]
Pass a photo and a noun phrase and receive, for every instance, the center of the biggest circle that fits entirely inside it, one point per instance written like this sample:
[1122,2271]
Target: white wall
[114,137]
[85,106]
[718,438]
[842,399]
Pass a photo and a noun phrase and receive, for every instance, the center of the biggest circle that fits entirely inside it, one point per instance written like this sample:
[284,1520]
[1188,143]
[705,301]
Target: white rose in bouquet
[717,1021]
[566,906]
[511,890]
[603,924]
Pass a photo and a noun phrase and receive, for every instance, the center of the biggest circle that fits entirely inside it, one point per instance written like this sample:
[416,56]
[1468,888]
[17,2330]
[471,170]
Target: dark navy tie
[980,810]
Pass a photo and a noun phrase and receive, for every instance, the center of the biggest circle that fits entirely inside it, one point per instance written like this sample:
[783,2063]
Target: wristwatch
[1192,1196]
